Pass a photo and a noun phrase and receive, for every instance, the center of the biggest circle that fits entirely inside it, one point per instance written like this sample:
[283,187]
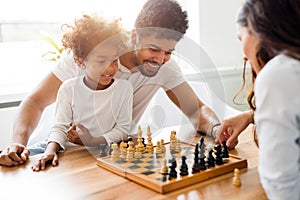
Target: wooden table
[78,177]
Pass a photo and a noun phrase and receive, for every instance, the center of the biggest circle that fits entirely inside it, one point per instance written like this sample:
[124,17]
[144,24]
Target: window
[21,29]
[22,24]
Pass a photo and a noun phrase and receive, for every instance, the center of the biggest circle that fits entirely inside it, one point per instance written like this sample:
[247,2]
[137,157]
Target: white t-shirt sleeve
[275,117]
[172,74]
[67,68]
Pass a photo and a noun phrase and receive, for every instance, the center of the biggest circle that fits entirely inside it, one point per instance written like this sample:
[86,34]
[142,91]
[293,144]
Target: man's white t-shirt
[106,113]
[277,118]
[144,88]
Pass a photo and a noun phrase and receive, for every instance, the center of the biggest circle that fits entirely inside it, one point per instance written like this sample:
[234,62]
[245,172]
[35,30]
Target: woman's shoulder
[282,64]
[279,69]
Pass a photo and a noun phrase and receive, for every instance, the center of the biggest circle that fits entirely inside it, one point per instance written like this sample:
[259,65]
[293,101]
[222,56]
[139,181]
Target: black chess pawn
[225,152]
[218,159]
[173,172]
[210,159]
[103,150]
[184,167]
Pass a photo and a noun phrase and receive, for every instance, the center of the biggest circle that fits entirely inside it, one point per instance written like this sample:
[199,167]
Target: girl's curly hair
[88,32]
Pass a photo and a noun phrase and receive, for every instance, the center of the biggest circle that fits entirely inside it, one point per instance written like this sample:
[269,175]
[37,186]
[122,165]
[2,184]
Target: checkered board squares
[147,170]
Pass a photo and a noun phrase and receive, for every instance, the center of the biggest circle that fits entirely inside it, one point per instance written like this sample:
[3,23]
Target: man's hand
[15,154]
[83,139]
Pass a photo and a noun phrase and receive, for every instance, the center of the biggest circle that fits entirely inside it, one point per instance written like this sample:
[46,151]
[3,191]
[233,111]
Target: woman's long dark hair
[276,25]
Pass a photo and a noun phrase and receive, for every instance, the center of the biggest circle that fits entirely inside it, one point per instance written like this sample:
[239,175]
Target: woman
[270,34]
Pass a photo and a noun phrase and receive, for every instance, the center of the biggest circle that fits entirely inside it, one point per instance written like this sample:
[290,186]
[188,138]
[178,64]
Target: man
[158,27]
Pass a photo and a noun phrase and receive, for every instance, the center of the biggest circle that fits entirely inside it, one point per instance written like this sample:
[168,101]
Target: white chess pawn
[158,147]
[162,144]
[164,169]
[123,150]
[138,153]
[115,153]
[236,181]
[130,151]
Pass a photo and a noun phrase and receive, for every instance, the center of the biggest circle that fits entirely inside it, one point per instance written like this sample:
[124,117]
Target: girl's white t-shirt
[144,88]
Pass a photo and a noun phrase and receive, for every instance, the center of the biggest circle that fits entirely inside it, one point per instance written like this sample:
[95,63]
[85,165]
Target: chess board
[146,171]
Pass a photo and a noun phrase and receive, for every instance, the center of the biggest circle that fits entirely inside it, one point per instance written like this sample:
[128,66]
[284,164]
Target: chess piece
[196,167]
[184,167]
[173,172]
[123,150]
[129,139]
[158,148]
[173,141]
[210,159]
[172,145]
[218,159]
[225,152]
[138,153]
[115,153]
[178,147]
[143,142]
[201,143]
[164,169]
[110,148]
[140,144]
[236,181]
[149,146]
[139,131]
[130,151]
[173,135]
[162,145]
[202,163]
[103,150]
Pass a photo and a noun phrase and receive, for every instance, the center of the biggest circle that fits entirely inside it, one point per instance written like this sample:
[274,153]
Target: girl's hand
[83,139]
[50,155]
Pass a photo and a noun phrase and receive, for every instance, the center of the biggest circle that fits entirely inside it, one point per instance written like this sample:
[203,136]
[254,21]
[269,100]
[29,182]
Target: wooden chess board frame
[181,181]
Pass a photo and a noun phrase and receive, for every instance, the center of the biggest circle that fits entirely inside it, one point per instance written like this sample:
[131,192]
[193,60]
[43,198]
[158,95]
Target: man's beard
[149,69]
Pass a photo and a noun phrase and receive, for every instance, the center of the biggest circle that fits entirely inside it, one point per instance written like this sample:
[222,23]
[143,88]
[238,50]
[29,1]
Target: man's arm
[32,106]
[27,118]
[200,115]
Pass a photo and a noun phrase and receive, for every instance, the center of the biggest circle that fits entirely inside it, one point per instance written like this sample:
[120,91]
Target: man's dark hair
[166,15]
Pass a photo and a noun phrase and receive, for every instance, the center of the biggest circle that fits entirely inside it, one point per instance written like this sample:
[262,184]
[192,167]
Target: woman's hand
[232,127]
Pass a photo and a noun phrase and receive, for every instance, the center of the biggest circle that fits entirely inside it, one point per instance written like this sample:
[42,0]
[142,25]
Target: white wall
[218,31]
[6,121]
